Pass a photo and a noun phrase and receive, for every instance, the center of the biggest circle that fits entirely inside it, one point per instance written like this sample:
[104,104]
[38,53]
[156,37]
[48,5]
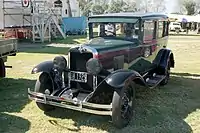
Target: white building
[14,16]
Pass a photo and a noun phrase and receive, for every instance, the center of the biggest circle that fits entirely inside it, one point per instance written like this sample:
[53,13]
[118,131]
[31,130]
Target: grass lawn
[72,40]
[170,109]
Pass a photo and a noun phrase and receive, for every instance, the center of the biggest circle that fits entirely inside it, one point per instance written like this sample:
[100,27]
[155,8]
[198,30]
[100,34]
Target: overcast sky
[172,5]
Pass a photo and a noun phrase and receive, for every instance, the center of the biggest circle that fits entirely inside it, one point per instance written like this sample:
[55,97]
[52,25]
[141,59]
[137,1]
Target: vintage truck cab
[100,77]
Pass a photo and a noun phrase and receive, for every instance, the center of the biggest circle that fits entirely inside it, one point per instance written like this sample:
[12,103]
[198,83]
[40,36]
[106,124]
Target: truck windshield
[114,30]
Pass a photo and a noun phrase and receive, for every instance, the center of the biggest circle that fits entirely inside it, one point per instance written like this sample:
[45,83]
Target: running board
[154,81]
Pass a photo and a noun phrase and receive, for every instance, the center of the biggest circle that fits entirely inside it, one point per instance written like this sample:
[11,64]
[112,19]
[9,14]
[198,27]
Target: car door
[149,44]
[134,55]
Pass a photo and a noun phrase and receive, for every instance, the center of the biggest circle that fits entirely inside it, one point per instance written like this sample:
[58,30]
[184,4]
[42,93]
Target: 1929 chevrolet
[100,76]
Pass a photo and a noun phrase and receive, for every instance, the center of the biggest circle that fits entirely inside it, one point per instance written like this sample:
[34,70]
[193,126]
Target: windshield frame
[133,20]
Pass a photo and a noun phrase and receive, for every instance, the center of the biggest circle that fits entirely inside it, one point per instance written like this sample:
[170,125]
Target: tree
[159,5]
[82,4]
[121,6]
[87,9]
[152,6]
[99,8]
[129,6]
[190,6]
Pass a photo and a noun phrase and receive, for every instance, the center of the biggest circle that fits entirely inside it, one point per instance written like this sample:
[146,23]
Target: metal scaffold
[42,17]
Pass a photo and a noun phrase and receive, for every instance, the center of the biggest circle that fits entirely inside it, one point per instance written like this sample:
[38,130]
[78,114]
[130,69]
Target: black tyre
[2,69]
[43,83]
[123,105]
[167,74]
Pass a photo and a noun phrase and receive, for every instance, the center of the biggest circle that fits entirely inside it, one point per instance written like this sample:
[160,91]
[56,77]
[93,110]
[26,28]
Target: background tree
[159,5]
[82,4]
[99,8]
[191,7]
[86,11]
[152,6]
[121,6]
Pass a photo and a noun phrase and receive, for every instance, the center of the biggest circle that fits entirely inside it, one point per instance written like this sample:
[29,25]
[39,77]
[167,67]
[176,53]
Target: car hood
[102,44]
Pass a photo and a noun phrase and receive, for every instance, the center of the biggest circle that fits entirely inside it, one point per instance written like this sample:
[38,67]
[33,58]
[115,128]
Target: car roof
[131,15]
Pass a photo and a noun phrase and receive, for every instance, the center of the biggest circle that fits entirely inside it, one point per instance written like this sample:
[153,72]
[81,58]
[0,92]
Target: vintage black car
[124,50]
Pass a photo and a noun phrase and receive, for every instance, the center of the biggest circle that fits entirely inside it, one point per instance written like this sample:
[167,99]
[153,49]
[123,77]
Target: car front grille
[78,63]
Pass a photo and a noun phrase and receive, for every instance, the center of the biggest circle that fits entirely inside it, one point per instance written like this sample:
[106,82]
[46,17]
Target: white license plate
[78,76]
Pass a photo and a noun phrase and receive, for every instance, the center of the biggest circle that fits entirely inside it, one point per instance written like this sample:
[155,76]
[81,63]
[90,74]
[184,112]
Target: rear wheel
[167,75]
[123,105]
[43,83]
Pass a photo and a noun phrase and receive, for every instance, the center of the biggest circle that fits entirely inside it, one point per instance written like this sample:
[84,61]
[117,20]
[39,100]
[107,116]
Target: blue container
[74,25]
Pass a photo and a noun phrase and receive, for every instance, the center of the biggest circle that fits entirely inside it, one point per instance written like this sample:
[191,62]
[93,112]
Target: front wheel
[43,83]
[123,105]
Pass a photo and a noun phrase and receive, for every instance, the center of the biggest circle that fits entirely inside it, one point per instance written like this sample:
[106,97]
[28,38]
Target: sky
[171,5]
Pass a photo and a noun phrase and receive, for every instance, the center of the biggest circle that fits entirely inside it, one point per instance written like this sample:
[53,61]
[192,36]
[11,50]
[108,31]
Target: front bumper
[98,109]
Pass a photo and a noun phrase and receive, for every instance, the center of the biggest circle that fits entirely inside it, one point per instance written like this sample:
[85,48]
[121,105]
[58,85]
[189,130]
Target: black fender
[118,78]
[115,81]
[45,66]
[162,58]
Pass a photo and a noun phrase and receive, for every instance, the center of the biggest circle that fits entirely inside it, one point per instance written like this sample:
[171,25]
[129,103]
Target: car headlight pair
[93,65]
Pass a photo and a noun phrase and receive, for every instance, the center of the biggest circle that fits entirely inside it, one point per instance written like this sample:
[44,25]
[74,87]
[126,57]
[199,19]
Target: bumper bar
[98,109]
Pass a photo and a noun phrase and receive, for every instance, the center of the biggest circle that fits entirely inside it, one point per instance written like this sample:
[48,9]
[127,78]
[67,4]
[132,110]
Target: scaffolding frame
[42,17]
[17,5]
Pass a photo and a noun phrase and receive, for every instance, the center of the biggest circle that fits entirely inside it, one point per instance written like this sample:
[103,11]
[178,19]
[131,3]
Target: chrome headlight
[60,63]
[93,66]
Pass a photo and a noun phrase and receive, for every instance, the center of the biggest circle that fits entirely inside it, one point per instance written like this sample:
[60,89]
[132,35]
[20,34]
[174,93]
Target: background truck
[8,47]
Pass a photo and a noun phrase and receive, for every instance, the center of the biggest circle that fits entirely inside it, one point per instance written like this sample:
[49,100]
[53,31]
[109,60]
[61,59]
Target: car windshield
[126,31]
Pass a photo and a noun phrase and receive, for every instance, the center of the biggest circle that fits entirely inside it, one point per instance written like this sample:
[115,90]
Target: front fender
[46,66]
[118,78]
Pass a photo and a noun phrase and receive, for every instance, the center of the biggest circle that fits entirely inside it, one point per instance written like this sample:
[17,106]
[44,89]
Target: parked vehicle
[8,47]
[101,76]
[175,26]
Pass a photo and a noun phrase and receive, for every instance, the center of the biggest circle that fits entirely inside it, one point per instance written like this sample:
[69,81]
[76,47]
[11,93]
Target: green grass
[72,40]
[173,108]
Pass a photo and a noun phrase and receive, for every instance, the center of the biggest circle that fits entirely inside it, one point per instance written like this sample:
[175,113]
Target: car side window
[160,29]
[148,30]
[166,29]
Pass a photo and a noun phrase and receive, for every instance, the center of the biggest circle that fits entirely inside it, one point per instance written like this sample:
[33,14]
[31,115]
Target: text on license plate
[78,76]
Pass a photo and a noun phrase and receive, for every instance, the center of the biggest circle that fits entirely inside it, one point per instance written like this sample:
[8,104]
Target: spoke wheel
[123,105]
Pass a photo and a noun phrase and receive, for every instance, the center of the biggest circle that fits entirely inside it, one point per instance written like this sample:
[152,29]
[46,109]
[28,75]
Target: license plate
[78,76]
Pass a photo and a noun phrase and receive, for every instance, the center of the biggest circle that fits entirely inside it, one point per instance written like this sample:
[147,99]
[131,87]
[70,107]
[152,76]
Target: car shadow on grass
[13,98]
[13,124]
[164,109]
